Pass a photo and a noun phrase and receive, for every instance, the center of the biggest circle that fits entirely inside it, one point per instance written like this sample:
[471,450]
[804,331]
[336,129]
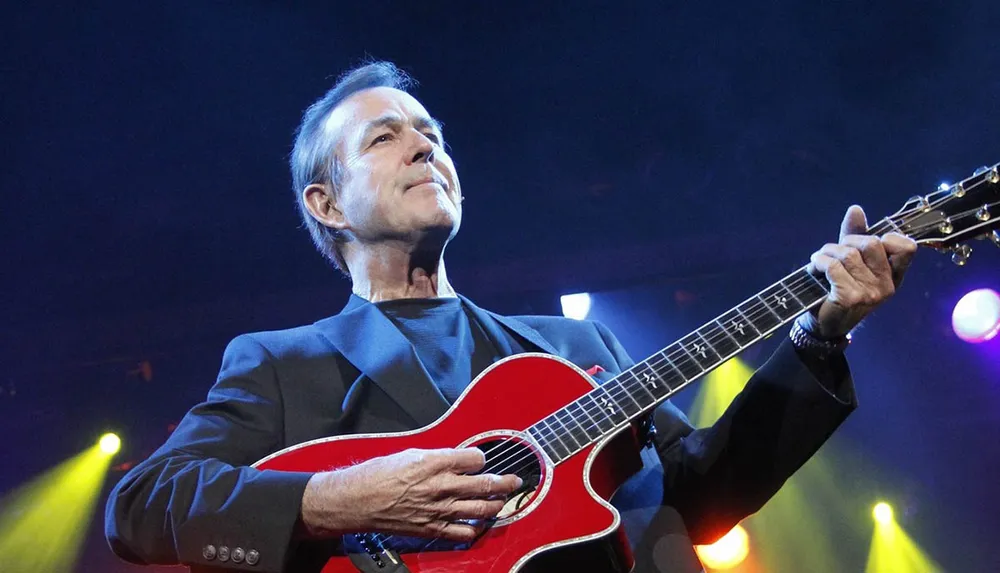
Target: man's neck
[381,273]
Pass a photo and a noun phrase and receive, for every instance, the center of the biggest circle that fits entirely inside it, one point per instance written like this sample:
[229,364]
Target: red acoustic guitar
[571,442]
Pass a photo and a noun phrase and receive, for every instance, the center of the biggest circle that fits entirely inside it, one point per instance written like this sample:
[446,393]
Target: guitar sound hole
[507,454]
[510,455]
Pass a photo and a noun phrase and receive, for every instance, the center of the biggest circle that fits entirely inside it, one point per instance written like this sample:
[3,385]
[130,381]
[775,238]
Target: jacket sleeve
[719,475]
[197,489]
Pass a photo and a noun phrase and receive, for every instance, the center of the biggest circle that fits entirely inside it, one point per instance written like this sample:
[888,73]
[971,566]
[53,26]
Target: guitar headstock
[953,214]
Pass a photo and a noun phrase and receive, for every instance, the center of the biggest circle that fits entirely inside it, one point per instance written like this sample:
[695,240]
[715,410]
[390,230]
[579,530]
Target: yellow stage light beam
[787,532]
[718,390]
[43,523]
[893,551]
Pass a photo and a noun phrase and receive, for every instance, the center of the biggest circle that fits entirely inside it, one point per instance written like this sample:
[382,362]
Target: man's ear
[322,205]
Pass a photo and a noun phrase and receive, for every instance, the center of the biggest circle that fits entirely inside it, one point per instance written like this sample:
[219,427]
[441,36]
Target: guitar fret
[688,365]
[611,407]
[593,423]
[650,377]
[728,334]
[573,427]
[627,406]
[763,317]
[641,384]
[784,307]
[565,449]
[536,434]
[567,432]
[738,328]
[673,366]
[811,289]
[699,351]
[604,424]
[726,345]
[789,291]
[750,322]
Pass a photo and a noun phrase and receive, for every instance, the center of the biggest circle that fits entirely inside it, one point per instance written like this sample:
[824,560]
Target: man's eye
[382,138]
[433,137]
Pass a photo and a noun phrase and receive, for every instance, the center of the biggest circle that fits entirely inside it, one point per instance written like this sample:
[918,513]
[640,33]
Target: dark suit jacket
[355,373]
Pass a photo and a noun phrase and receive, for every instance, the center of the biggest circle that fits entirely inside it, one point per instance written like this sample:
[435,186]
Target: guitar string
[799,281]
[757,313]
[551,431]
[629,383]
[759,309]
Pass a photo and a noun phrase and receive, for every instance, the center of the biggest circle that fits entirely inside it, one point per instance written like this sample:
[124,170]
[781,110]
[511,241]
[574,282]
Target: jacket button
[252,557]
[208,552]
[237,555]
[223,553]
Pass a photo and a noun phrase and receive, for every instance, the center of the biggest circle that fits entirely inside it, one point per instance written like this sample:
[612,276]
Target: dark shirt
[450,344]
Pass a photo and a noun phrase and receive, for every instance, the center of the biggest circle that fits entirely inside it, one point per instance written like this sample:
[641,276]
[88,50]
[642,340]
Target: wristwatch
[809,342]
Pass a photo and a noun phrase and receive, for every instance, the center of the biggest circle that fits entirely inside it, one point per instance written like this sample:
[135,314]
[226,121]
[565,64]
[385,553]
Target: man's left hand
[863,271]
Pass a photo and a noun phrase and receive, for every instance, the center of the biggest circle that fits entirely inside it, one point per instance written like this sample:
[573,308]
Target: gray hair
[313,160]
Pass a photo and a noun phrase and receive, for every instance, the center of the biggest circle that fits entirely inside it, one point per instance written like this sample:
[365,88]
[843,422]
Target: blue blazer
[356,373]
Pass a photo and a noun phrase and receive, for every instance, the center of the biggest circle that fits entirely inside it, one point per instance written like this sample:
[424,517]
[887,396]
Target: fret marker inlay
[606,404]
[649,380]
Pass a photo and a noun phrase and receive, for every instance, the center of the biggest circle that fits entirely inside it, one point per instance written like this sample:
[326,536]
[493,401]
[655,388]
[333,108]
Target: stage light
[892,551]
[882,512]
[43,523]
[110,443]
[575,306]
[976,317]
[727,552]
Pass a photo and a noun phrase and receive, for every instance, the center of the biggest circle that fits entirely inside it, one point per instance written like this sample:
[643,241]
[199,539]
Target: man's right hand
[420,493]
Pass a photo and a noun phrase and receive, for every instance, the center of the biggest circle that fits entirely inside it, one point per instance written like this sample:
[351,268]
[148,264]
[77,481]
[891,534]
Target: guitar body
[569,504]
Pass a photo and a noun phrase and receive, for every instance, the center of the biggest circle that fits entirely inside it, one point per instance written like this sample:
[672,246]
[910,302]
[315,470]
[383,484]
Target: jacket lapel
[373,344]
[489,321]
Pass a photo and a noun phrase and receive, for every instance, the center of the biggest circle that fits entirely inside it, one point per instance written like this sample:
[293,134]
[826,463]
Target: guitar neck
[612,406]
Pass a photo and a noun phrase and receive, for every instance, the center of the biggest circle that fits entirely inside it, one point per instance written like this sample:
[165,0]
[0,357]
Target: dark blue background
[651,146]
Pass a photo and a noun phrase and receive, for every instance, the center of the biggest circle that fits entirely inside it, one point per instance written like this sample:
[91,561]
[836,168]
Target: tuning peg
[960,254]
[991,173]
[922,202]
[995,237]
[983,214]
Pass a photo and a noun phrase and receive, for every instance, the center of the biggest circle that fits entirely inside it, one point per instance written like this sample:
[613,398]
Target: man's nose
[424,150]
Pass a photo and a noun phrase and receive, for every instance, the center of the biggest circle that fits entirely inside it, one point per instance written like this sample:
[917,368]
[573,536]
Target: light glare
[882,512]
[575,306]
[727,552]
[110,443]
[976,317]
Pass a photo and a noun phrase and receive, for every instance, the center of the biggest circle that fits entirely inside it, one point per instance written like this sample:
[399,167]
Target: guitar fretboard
[610,407]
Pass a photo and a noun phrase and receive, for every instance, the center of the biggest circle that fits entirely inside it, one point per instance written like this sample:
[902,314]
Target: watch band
[807,341]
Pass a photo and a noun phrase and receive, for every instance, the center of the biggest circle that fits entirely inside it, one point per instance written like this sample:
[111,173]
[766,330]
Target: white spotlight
[575,306]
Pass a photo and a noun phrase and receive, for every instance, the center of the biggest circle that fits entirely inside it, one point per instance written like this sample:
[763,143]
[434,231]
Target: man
[382,200]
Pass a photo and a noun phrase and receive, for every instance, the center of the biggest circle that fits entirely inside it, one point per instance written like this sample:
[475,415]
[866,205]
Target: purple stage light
[976,317]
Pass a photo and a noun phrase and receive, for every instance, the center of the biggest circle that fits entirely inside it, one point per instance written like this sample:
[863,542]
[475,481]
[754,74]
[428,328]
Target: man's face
[397,182]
